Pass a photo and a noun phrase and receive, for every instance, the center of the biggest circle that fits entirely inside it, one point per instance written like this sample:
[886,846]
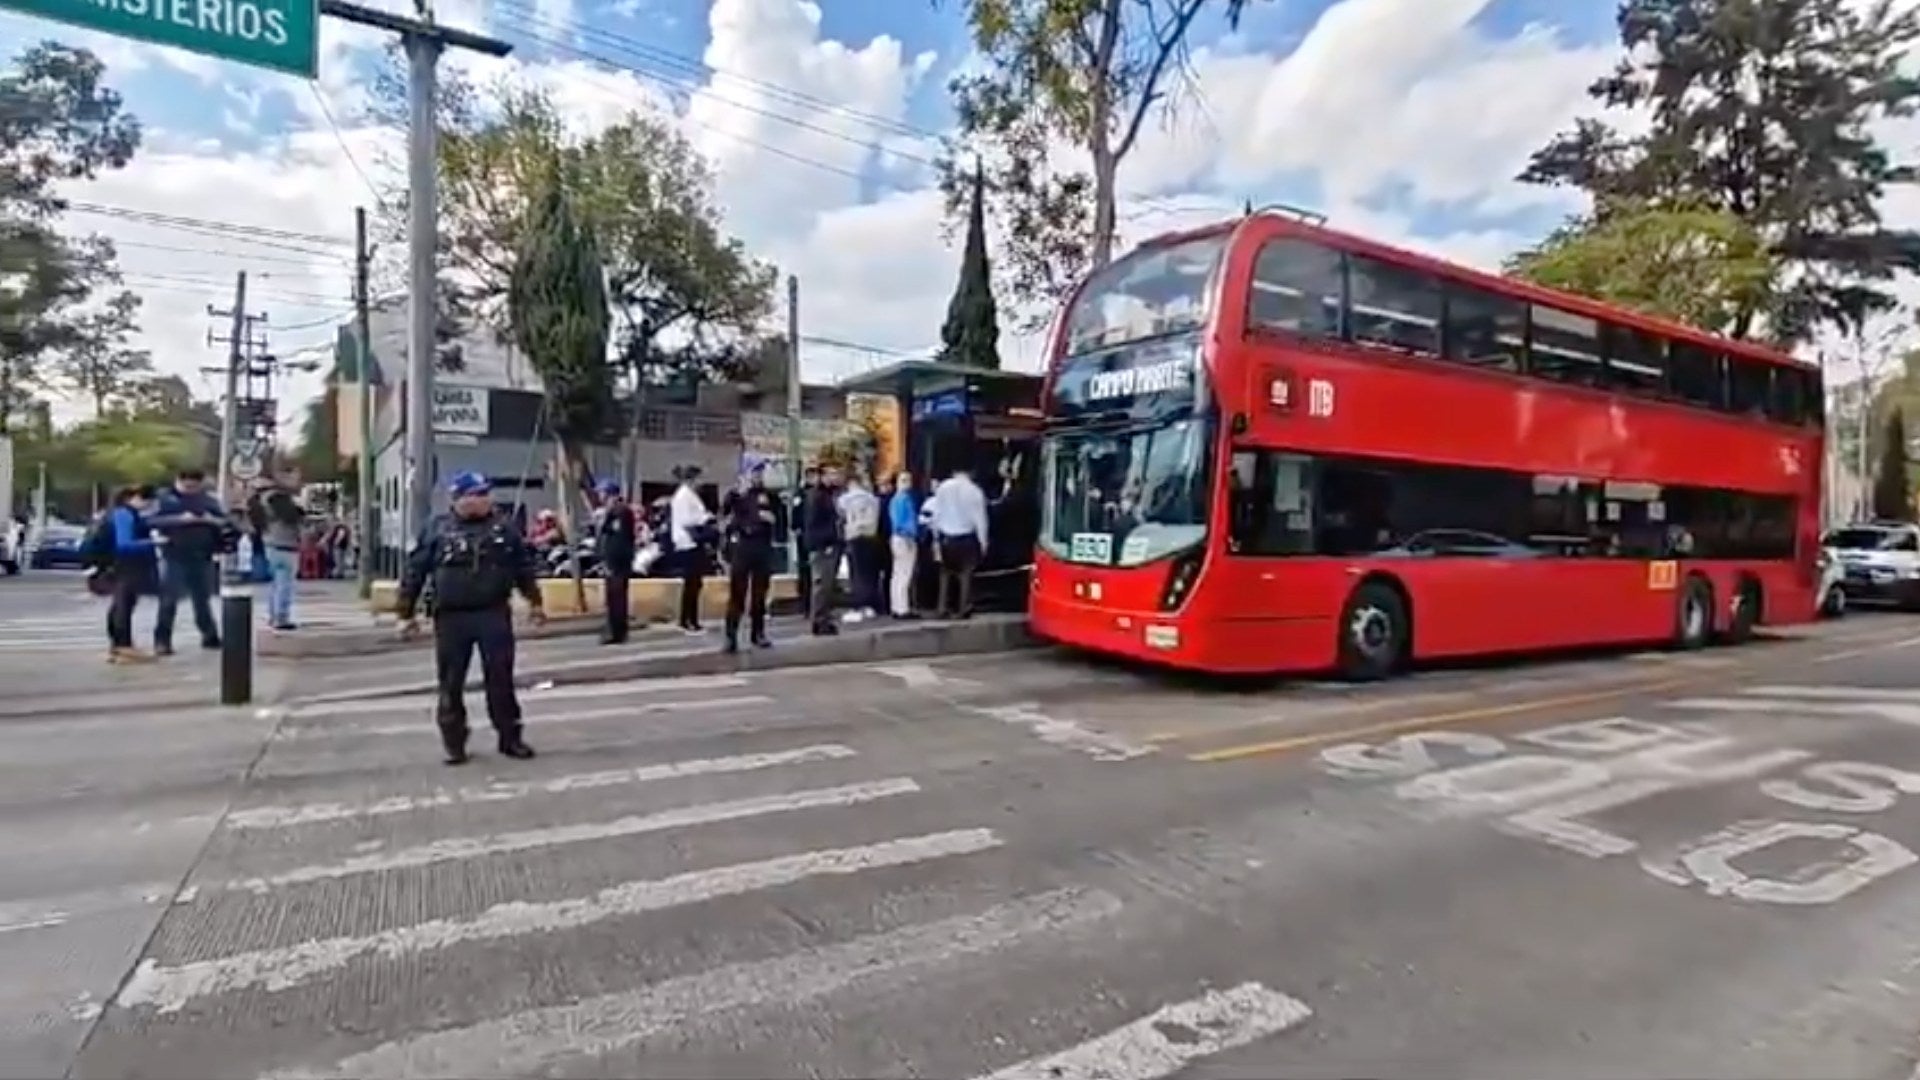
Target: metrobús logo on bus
[1158,378]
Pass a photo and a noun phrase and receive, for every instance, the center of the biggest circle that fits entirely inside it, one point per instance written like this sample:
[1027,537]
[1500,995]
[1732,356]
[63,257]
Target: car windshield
[1127,497]
[1861,539]
[1151,293]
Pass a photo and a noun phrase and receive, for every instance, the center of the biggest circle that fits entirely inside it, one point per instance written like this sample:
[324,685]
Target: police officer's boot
[514,746]
[453,738]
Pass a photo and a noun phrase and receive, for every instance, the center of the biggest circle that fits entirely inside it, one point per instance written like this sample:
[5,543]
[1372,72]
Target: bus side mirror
[1238,425]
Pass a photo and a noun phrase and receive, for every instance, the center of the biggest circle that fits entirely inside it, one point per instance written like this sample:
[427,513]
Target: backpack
[97,549]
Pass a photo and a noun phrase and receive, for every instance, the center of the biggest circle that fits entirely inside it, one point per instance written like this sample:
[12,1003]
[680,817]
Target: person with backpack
[121,549]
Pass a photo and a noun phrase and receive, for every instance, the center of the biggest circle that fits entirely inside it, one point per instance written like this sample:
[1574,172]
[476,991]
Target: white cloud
[1410,97]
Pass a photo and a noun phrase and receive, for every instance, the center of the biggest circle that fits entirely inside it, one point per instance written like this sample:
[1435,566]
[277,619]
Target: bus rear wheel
[1374,633]
[1693,620]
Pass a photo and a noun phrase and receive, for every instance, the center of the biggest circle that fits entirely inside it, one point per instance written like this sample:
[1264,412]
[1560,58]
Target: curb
[323,644]
[982,634]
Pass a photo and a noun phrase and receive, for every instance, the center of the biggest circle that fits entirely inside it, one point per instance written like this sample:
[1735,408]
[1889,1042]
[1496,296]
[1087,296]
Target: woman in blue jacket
[135,571]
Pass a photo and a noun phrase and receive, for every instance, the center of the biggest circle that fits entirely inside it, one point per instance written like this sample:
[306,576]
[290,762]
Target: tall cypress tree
[971,335]
[1891,499]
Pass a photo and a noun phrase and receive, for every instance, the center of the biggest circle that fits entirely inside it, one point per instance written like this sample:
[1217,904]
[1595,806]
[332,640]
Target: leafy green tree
[1088,73]
[557,300]
[971,335]
[59,123]
[317,453]
[99,363]
[1698,266]
[1762,109]
[1892,497]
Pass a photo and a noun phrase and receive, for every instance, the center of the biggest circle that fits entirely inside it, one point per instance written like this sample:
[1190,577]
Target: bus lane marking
[1552,799]
[1063,733]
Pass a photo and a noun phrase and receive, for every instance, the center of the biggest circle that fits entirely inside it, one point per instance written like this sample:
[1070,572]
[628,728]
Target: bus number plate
[1092,548]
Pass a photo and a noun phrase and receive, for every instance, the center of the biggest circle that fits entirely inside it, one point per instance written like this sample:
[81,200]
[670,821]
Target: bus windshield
[1123,498]
[1151,293]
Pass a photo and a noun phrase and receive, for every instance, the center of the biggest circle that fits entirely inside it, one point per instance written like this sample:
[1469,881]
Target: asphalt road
[1648,865]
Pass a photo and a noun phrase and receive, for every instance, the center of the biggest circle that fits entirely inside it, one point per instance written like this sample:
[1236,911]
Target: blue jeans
[284,565]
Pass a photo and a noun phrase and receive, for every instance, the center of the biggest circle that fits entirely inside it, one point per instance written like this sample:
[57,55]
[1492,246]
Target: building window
[1393,307]
[1485,329]
[1297,287]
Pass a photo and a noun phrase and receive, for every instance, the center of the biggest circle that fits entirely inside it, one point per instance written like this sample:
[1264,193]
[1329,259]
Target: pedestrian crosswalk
[75,622]
[651,886]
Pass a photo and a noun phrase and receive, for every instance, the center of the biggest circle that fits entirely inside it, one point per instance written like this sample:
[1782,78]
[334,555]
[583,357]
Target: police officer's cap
[608,487]
[469,483]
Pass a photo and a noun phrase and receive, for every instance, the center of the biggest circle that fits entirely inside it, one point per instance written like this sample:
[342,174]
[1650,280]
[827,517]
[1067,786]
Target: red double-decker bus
[1271,446]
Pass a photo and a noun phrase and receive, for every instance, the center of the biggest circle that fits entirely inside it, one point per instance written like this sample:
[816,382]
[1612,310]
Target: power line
[339,137]
[238,230]
[700,69]
[163,283]
[246,256]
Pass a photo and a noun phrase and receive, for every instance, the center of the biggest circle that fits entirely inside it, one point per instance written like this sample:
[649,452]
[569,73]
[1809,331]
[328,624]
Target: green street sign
[279,35]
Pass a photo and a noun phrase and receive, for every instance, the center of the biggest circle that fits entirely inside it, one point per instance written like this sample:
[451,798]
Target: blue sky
[1404,119]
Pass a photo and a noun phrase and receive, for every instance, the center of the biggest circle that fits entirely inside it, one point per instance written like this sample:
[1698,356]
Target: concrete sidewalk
[663,654]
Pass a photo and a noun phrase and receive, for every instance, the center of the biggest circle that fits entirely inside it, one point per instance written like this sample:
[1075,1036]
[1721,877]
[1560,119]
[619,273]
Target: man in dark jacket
[196,530]
[476,560]
[747,528]
[615,540]
[820,530]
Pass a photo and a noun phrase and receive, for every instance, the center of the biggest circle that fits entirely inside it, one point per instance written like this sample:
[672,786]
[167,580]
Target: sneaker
[456,755]
[516,749]
[763,642]
[129,656]
[691,629]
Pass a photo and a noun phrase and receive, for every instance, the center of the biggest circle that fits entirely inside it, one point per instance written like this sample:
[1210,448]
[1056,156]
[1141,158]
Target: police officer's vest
[476,566]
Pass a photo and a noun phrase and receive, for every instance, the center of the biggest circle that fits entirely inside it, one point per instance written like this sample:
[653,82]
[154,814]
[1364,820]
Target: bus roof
[1271,223]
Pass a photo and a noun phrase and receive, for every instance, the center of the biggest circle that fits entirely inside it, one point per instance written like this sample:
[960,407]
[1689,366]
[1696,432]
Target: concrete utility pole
[424,41]
[794,466]
[236,357]
[363,333]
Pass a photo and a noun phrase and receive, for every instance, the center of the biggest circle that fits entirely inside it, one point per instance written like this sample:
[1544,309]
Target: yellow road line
[1281,746]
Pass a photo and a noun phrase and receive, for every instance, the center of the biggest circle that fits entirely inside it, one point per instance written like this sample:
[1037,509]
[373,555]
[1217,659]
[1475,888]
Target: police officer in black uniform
[747,518]
[476,559]
[618,529]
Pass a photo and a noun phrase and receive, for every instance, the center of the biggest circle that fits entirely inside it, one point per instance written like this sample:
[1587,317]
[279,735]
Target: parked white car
[1879,560]
[1833,592]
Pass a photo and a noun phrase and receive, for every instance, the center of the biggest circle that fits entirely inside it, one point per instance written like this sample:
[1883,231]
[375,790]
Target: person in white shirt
[860,524]
[959,525]
[690,525]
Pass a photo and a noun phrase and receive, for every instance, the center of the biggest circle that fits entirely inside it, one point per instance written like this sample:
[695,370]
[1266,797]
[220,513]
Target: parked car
[1833,584]
[1879,560]
[58,547]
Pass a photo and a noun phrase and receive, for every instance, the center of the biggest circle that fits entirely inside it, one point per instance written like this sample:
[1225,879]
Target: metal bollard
[236,647]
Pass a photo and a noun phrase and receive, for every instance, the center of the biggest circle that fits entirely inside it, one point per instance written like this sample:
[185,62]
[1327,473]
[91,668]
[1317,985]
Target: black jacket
[475,564]
[820,519]
[616,538]
[746,520]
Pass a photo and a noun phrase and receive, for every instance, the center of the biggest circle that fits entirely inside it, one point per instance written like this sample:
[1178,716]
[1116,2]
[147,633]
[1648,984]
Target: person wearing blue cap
[617,539]
[476,559]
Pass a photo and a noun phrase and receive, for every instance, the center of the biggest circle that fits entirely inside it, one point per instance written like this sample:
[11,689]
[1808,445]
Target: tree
[1892,498]
[98,363]
[317,454]
[59,123]
[1698,266]
[557,299]
[1084,72]
[971,335]
[1761,109]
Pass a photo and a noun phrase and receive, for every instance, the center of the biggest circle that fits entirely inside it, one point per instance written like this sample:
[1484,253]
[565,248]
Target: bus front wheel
[1374,633]
[1694,619]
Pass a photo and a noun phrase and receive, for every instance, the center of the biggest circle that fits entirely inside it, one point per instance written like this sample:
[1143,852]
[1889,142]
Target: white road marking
[534,1042]
[280,817]
[680,817]
[1172,1038]
[47,912]
[424,725]
[1835,693]
[922,677]
[1065,733]
[169,989]
[1894,711]
[638,687]
[1708,861]
[1560,823]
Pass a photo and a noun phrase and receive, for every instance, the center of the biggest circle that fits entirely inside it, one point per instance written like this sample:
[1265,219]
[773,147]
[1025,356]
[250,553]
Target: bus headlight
[1180,579]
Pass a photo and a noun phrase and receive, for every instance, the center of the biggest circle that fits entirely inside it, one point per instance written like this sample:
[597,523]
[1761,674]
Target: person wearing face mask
[476,560]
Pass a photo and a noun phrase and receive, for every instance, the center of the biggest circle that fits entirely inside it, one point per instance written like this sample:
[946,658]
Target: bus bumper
[1185,640]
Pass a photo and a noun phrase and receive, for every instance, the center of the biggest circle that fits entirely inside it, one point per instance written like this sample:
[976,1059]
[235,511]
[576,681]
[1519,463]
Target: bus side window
[1269,504]
[1566,347]
[1749,386]
[1697,376]
[1636,362]
[1392,307]
[1298,288]
[1485,329]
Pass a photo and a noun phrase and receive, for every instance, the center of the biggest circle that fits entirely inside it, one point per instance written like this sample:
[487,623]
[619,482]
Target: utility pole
[794,465]
[424,40]
[362,330]
[229,409]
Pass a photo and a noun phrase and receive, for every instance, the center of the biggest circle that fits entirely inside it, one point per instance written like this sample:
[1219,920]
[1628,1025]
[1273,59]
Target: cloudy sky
[1402,119]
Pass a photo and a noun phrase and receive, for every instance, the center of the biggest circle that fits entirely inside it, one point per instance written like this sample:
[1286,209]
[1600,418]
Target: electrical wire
[341,138]
[235,229]
[246,256]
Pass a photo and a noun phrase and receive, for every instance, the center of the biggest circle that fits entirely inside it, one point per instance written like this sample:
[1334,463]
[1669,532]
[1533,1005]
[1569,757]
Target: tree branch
[1166,47]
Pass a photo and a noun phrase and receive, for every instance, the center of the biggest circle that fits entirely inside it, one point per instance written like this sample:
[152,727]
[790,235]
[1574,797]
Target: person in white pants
[903,517]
